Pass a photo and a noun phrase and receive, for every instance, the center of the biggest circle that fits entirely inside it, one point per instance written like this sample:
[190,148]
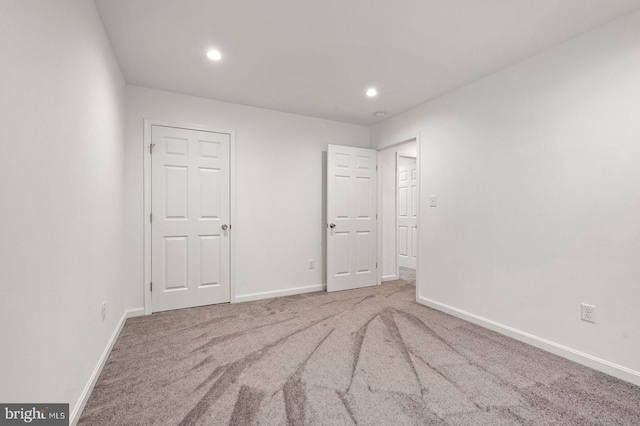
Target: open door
[407,220]
[351,218]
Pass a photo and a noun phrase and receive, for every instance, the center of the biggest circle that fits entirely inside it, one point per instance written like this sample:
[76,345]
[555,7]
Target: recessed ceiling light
[379,114]
[214,55]
[371,92]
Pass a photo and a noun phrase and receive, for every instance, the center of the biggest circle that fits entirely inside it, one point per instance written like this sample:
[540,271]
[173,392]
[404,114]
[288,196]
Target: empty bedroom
[406,212]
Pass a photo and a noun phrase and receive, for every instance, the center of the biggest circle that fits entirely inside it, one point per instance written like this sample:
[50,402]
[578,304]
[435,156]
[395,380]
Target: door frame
[148,123]
[409,138]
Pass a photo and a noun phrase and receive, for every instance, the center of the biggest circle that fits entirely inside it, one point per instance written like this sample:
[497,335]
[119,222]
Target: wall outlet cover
[588,313]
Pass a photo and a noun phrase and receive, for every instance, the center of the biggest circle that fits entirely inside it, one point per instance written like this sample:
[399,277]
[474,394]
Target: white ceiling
[317,57]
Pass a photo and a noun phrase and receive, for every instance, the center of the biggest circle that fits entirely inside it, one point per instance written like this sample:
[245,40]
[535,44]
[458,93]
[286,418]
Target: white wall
[280,160]
[537,173]
[388,249]
[61,198]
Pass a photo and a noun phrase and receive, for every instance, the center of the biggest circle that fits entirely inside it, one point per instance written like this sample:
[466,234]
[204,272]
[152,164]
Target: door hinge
[151,286]
[151,148]
[376,216]
[150,217]
[376,265]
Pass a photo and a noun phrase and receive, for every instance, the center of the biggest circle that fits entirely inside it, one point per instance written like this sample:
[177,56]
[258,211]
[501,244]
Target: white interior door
[407,212]
[190,223]
[351,217]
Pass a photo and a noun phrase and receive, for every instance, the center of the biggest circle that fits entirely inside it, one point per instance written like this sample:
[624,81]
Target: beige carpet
[368,357]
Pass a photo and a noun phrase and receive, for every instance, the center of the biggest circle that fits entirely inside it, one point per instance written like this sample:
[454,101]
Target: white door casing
[351,218]
[407,214]
[190,204]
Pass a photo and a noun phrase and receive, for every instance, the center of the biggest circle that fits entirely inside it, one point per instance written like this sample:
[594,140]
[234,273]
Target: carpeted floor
[369,357]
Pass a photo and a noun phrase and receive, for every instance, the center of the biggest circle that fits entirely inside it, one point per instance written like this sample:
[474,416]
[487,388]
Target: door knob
[224,227]
[332,225]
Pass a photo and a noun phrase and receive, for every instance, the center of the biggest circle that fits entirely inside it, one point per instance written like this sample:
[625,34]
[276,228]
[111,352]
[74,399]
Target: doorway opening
[399,207]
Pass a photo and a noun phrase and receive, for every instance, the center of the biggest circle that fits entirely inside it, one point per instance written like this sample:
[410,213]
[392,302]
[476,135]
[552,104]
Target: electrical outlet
[588,313]
[312,264]
[433,201]
[104,310]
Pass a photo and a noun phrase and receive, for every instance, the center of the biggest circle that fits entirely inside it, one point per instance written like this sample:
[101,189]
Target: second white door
[190,180]
[407,212]
[351,216]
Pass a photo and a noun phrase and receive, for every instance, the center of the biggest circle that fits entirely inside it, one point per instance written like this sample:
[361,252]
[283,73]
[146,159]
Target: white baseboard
[279,293]
[84,397]
[389,278]
[138,312]
[599,364]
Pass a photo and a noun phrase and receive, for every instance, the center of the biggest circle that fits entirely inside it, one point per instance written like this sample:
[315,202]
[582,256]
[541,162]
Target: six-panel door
[190,208]
[407,214]
[351,217]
